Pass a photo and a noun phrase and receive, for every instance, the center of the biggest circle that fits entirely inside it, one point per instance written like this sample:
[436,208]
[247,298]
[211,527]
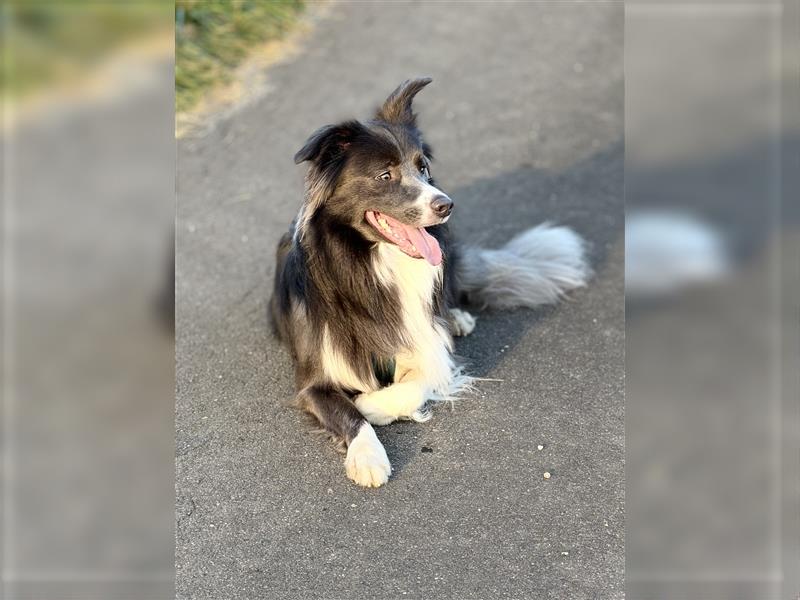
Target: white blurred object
[666,252]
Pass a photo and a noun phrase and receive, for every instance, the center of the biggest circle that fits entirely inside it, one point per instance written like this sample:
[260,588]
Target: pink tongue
[425,243]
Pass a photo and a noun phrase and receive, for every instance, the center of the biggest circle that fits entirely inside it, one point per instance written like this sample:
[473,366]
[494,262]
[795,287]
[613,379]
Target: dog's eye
[386,176]
[424,170]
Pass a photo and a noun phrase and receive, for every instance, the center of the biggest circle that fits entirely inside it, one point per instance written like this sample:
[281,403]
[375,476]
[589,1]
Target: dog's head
[376,177]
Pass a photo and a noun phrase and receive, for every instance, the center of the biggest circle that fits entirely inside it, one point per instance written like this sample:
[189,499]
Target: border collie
[368,281]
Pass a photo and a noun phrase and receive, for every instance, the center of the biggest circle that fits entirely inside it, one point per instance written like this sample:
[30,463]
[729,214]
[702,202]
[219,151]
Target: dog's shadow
[588,197]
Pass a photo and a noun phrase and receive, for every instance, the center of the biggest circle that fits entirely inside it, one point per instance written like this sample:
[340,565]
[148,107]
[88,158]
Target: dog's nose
[442,206]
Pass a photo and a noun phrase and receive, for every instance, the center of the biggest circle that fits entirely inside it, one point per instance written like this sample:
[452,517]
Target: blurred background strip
[712,239]
[88,377]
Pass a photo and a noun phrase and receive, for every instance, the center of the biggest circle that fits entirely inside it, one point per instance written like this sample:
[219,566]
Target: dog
[369,284]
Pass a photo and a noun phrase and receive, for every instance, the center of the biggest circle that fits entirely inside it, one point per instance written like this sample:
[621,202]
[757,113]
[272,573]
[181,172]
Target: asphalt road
[525,115]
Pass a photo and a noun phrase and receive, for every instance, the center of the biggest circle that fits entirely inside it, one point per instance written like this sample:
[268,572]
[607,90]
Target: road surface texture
[525,115]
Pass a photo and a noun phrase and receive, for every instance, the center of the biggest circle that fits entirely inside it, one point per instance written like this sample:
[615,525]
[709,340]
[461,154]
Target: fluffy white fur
[463,323]
[425,369]
[366,462]
[427,357]
[536,267]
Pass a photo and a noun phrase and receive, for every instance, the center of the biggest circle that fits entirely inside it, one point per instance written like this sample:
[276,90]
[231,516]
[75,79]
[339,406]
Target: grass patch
[56,42]
[213,37]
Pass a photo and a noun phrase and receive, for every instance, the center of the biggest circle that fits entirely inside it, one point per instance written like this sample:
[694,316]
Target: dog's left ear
[397,108]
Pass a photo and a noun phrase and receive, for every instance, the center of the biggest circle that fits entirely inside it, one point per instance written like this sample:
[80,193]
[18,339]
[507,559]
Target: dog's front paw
[373,414]
[397,401]
[461,322]
[366,462]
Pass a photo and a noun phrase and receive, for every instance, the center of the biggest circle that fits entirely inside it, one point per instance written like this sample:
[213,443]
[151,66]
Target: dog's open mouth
[414,241]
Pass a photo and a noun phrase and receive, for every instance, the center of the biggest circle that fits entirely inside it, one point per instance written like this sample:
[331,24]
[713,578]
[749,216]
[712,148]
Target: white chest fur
[426,356]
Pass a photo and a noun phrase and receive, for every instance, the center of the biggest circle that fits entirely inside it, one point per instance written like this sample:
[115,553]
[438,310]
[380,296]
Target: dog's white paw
[366,462]
[372,412]
[461,321]
[397,401]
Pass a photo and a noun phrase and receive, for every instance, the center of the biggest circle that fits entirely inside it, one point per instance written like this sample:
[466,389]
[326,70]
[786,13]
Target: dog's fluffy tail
[537,267]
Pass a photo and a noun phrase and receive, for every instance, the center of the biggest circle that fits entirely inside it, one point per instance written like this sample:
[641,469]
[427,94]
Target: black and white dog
[368,281]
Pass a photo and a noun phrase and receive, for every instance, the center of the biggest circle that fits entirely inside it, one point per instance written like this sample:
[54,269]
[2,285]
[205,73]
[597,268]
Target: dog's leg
[366,462]
[461,322]
[398,401]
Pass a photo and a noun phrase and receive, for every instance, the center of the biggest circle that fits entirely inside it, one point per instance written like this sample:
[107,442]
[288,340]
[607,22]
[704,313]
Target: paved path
[526,117]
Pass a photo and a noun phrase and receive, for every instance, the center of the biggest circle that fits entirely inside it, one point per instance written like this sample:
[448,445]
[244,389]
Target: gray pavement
[526,118]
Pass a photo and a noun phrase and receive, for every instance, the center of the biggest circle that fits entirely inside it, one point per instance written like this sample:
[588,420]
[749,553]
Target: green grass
[213,37]
[51,42]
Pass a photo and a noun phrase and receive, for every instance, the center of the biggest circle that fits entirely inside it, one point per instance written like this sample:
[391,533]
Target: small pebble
[565,553]
[546,475]
[540,447]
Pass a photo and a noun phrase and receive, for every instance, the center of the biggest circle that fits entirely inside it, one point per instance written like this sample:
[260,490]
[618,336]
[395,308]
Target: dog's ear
[328,143]
[397,108]
[326,149]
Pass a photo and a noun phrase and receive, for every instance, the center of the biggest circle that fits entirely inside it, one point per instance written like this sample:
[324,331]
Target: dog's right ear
[397,108]
[328,143]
